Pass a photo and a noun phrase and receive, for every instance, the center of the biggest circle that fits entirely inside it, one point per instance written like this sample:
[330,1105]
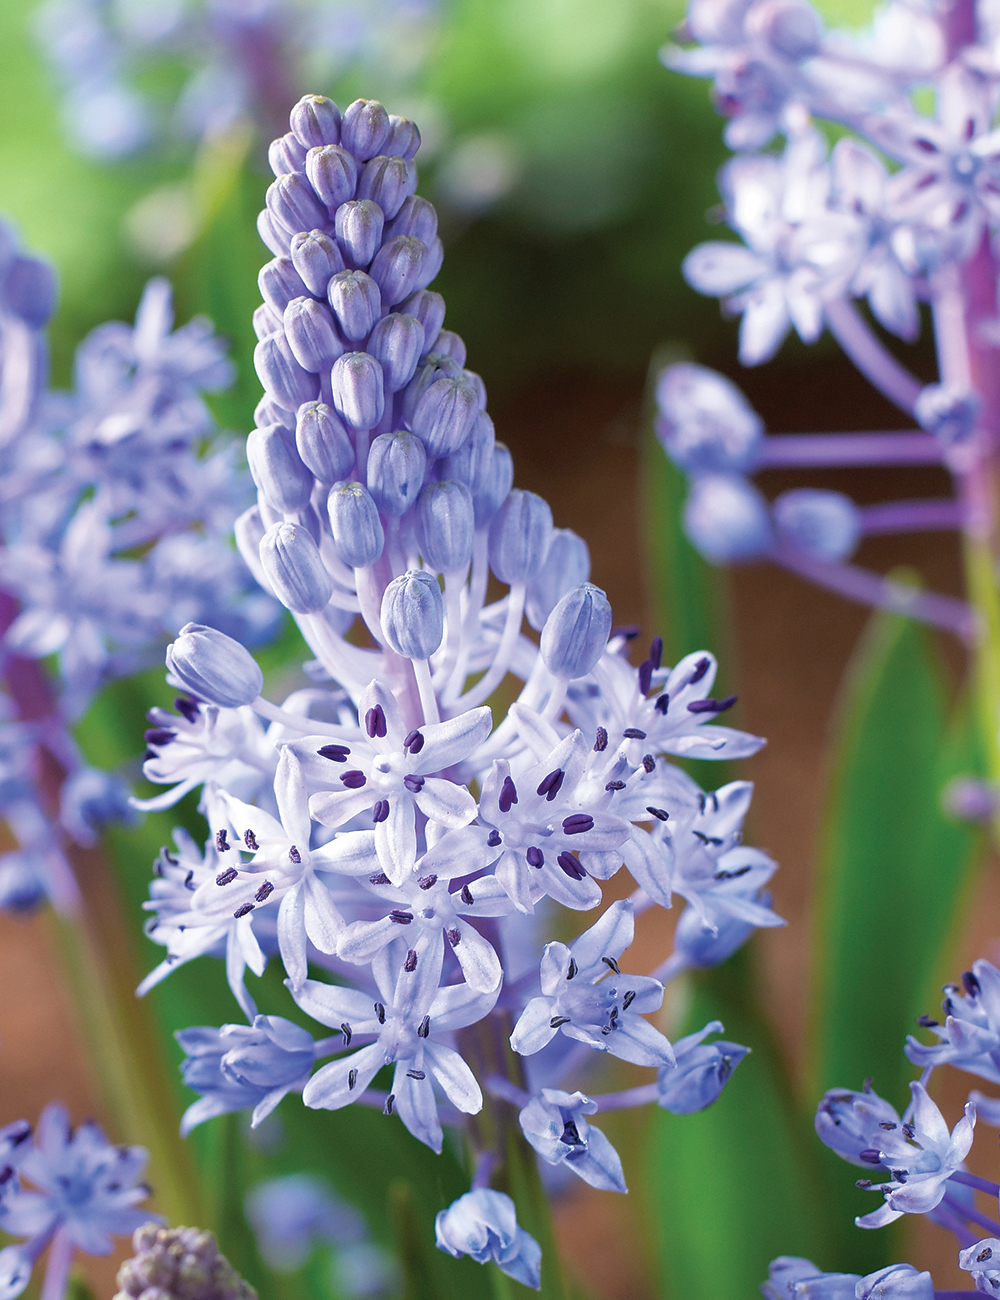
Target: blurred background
[572,173]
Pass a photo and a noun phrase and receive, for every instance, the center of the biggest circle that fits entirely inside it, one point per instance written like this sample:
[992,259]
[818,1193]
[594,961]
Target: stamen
[387,1108]
[508,795]
[352,1078]
[556,1021]
[348,1033]
[612,964]
[413,783]
[601,743]
[379,878]
[380,1013]
[656,651]
[415,1074]
[701,668]
[375,722]
[243,911]
[645,676]
[414,742]
[660,814]
[187,708]
[427,882]
[221,844]
[494,839]
[294,855]
[250,840]
[335,753]
[573,968]
[578,823]
[712,706]
[649,763]
[159,736]
[550,785]
[381,811]
[354,779]
[454,937]
[410,965]
[628,999]
[615,785]
[534,856]
[265,891]
[226,877]
[662,702]
[466,896]
[571,1135]
[633,733]
[400,917]
[424,1028]
[570,865]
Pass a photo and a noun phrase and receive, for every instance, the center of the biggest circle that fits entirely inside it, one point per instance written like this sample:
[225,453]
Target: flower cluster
[381,826]
[116,512]
[179,1263]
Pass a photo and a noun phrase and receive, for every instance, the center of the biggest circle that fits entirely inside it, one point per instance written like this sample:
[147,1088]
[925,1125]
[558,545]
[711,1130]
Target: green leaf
[893,875]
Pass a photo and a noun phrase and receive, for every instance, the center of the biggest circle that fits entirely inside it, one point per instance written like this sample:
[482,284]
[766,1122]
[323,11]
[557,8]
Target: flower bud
[727,519]
[483,1224]
[412,615]
[792,29]
[267,412]
[428,307]
[702,1071]
[434,367]
[29,290]
[396,466]
[416,217]
[214,667]
[445,414]
[397,268]
[357,529]
[365,128]
[249,530]
[280,283]
[432,263]
[495,487]
[472,462]
[315,121]
[705,424]
[323,443]
[520,536]
[333,174]
[265,321]
[445,526]
[286,155]
[854,1122]
[285,380]
[825,525]
[389,181]
[450,344]
[311,335]
[904,1282]
[292,203]
[576,632]
[403,139]
[949,412]
[358,395]
[316,258]
[356,303]
[275,237]
[396,343]
[277,469]
[566,566]
[359,225]
[294,569]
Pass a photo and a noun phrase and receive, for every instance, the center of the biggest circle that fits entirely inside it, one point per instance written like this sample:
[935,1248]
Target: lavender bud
[359,226]
[415,217]
[825,525]
[356,303]
[214,667]
[286,155]
[274,236]
[285,380]
[432,263]
[472,462]
[277,469]
[566,566]
[357,529]
[403,139]
[358,396]
[292,203]
[265,321]
[29,290]
[705,423]
[315,121]
[179,1264]
[435,367]
[450,344]
[576,632]
[793,30]
[698,1078]
[323,443]
[444,416]
[495,487]
[727,519]
[311,334]
[396,466]
[445,526]
[397,268]
[333,174]
[316,258]
[950,413]
[396,343]
[520,536]
[267,412]
[389,181]
[412,615]
[428,307]
[249,531]
[279,283]
[365,128]
[294,569]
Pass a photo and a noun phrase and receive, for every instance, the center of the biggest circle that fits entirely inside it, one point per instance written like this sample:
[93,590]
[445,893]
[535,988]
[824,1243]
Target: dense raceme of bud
[179,1264]
[347,835]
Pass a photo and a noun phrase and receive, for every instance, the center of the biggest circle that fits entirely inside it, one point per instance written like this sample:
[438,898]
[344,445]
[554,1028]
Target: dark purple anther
[700,669]
[628,999]
[379,878]
[611,964]
[387,1108]
[354,779]
[226,877]
[189,881]
[245,910]
[187,708]
[570,865]
[629,631]
[454,937]
[250,840]
[410,965]
[656,651]
[381,811]
[870,1156]
[970,984]
[534,856]
[662,702]
[415,1074]
[159,736]
[466,896]
[265,892]
[571,1135]
[414,742]
[660,814]
[864,1183]
[348,1033]
[577,823]
[413,783]
[645,676]
[294,856]
[424,1028]
[615,785]
[221,844]
[649,763]
[633,733]
[427,882]
[380,1013]
[401,918]
[508,795]
[601,743]
[352,1078]
[335,753]
[927,1022]
[375,722]
[494,839]
[712,706]
[573,969]
[551,785]
[556,1021]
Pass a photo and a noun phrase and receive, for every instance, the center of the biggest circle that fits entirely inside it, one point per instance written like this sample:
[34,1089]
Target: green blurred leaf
[892,880]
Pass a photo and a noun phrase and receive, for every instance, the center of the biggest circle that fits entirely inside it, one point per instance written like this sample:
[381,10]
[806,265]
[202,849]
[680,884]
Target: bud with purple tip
[357,529]
[315,121]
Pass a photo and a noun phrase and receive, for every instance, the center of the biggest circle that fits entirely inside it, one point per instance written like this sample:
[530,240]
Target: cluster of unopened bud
[179,1264]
